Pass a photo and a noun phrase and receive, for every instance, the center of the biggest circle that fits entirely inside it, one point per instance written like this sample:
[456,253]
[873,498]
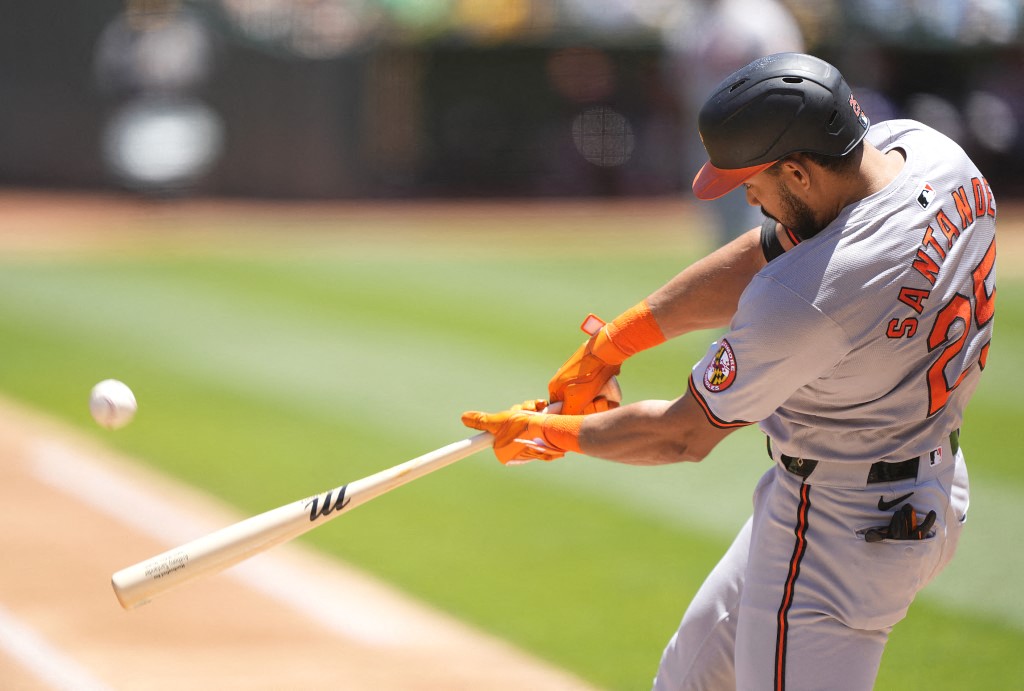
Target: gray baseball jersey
[856,352]
[867,340]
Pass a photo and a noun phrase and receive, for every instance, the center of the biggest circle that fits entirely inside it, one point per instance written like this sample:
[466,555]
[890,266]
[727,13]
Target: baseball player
[857,324]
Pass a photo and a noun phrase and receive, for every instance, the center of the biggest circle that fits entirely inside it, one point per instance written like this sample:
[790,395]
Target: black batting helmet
[775,106]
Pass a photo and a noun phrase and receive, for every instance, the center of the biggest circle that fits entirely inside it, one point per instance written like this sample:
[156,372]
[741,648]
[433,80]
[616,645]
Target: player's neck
[878,169]
[874,172]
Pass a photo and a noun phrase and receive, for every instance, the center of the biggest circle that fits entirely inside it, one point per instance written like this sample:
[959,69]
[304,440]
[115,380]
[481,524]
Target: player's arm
[651,433]
[706,293]
[643,433]
[702,296]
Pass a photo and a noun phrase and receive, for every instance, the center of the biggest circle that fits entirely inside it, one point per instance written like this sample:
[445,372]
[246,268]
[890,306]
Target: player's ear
[796,170]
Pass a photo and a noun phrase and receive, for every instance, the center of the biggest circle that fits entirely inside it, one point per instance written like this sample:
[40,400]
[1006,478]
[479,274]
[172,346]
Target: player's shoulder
[884,133]
[916,137]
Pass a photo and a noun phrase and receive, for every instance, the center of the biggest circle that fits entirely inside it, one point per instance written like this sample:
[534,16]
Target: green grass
[274,364]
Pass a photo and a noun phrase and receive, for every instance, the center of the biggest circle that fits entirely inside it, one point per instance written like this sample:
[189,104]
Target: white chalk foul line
[355,611]
[45,662]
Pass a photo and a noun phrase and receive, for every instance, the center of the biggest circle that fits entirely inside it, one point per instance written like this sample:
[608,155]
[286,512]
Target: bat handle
[474,444]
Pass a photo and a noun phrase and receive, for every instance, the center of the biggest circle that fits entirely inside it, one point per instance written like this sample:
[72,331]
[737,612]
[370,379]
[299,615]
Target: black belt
[883,471]
[879,472]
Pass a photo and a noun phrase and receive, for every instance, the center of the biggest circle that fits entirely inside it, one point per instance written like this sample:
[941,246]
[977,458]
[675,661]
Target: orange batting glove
[579,383]
[523,434]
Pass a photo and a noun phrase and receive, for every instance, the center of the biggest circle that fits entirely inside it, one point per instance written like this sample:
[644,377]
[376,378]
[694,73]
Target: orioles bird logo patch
[722,370]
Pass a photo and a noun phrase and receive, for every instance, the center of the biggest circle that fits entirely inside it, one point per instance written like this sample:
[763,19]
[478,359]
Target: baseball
[112,404]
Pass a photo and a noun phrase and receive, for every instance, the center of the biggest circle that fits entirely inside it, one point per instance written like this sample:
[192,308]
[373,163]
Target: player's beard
[795,215]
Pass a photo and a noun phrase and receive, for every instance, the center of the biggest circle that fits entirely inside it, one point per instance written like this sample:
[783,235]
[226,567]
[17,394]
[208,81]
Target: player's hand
[518,432]
[580,383]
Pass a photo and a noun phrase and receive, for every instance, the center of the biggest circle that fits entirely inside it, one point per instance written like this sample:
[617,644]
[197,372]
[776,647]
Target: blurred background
[547,149]
[329,99]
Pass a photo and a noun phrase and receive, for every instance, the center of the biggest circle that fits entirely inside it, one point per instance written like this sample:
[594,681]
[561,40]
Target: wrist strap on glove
[629,333]
[562,432]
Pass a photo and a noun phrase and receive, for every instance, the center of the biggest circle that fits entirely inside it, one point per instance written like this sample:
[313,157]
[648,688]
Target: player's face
[800,217]
[780,204]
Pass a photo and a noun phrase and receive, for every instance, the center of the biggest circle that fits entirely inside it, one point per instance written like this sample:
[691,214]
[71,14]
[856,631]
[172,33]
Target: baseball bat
[138,584]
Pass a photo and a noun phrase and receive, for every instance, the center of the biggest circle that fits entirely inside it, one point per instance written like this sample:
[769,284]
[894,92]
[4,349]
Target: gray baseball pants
[800,600]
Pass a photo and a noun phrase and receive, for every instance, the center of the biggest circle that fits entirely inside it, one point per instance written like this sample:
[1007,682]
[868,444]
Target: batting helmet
[775,106]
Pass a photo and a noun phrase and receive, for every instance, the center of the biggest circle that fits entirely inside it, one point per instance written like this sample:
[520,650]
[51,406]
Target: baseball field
[278,350]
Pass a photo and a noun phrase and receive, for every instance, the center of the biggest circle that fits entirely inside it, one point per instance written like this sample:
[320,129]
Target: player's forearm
[644,433]
[705,294]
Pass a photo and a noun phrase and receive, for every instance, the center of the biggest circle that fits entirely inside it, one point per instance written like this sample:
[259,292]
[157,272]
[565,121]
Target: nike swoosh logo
[884,505]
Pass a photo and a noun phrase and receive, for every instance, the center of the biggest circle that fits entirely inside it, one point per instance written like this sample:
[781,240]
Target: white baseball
[112,404]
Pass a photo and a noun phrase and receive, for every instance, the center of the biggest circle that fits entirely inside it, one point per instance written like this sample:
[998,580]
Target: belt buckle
[799,466]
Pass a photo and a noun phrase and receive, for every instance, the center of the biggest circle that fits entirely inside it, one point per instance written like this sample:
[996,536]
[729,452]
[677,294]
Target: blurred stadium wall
[322,99]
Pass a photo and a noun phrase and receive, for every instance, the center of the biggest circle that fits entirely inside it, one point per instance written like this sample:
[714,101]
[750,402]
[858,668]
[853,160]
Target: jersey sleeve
[760,362]
[771,247]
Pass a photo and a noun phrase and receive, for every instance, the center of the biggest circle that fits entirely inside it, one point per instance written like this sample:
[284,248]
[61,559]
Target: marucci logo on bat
[316,511]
